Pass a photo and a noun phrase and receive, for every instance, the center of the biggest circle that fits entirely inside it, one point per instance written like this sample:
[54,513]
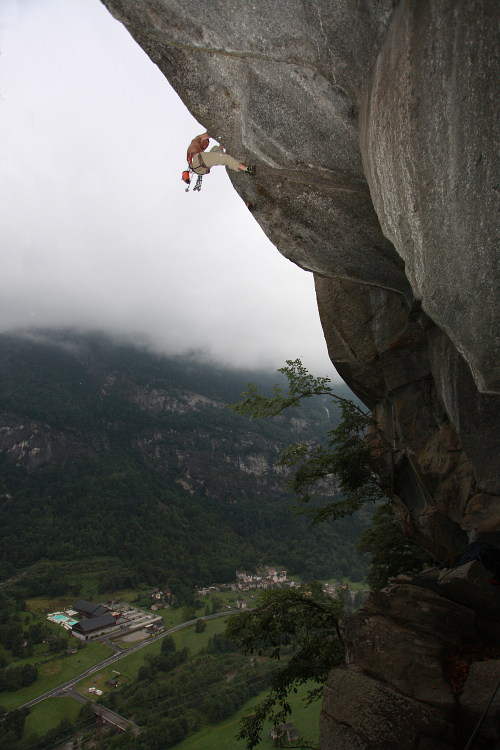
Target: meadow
[223,735]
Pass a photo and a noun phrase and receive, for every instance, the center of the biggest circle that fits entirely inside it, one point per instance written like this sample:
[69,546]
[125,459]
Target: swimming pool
[62,619]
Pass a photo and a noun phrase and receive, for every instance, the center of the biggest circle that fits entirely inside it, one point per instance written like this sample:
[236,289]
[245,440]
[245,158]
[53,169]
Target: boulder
[424,611]
[482,685]
[470,585]
[361,712]
[399,656]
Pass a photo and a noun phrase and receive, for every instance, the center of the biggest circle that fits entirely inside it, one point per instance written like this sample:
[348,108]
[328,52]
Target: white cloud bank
[97,231]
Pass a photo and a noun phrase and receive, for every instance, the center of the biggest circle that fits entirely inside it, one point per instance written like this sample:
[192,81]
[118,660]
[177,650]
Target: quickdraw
[186,177]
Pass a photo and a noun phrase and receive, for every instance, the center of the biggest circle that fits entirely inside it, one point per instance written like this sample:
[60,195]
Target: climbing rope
[474,734]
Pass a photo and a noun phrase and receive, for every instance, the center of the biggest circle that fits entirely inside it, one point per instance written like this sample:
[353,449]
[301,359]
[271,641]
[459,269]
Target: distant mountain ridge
[108,449]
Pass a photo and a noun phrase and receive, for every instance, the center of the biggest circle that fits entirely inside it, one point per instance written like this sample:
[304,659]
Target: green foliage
[220,644]
[165,662]
[108,498]
[350,460]
[199,690]
[188,613]
[298,627]
[168,645]
[12,725]
[391,551]
[12,678]
[301,384]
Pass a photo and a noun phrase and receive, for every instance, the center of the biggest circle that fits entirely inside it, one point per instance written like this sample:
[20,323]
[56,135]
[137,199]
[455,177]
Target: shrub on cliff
[349,463]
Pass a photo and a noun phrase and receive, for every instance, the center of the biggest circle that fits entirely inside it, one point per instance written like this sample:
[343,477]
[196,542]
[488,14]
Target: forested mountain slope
[108,449]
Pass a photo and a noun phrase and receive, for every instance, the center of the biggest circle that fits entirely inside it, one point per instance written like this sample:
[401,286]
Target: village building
[89,609]
[92,626]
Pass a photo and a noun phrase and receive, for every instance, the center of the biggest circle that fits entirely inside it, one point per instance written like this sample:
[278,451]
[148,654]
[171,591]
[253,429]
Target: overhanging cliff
[372,127]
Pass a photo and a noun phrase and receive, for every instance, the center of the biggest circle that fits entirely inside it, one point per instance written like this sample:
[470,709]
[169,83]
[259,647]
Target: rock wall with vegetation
[372,127]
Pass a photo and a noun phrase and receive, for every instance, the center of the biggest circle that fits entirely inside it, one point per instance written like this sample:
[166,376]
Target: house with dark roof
[91,626]
[89,609]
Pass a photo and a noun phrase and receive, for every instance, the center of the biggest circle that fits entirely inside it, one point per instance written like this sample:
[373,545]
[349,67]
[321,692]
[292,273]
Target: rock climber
[200,161]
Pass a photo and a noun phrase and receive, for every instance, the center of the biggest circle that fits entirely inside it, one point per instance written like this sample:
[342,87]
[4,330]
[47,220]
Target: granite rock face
[408,681]
[483,676]
[288,101]
[401,258]
[431,159]
[372,125]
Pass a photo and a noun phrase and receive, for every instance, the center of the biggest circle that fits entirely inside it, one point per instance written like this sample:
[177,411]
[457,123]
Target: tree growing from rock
[302,625]
[351,458]
[299,628]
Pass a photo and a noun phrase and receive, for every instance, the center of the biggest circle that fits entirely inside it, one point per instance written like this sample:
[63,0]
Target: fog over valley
[97,230]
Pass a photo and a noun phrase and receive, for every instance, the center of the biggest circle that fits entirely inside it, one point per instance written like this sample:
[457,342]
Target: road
[67,686]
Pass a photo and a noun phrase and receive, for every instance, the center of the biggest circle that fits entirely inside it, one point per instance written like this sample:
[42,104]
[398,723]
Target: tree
[200,626]
[305,623]
[217,604]
[168,645]
[301,628]
[188,613]
[351,458]
[29,673]
[391,551]
[14,722]
[145,673]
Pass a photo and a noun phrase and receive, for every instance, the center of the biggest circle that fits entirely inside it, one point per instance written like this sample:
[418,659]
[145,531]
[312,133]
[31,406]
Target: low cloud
[97,230]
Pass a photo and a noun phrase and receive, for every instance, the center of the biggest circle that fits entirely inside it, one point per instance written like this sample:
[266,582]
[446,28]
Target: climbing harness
[186,175]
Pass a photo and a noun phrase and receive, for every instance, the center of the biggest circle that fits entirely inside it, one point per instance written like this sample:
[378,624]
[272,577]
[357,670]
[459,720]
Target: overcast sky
[96,229]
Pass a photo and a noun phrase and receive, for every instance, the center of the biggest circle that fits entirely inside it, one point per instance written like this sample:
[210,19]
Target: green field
[129,666]
[223,736]
[189,638]
[48,714]
[55,672]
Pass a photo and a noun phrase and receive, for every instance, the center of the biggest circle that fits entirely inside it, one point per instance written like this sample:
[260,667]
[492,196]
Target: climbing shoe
[251,170]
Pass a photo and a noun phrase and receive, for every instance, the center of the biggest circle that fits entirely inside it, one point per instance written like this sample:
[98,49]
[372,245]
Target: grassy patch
[45,605]
[54,673]
[99,680]
[195,642]
[171,617]
[223,735]
[48,714]
[187,637]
